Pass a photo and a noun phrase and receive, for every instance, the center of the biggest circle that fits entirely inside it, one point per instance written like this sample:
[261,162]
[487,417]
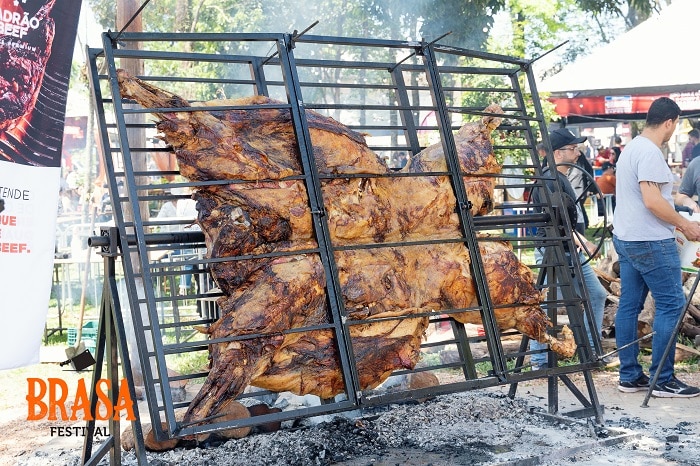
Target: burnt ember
[476,427]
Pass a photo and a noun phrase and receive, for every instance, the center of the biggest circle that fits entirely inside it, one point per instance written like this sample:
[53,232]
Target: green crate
[88,336]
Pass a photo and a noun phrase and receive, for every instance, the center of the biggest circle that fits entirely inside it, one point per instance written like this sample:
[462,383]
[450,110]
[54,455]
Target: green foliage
[189,363]
[429,360]
[56,339]
[693,360]
[480,100]
[385,19]
[468,22]
[633,11]
[484,368]
[536,26]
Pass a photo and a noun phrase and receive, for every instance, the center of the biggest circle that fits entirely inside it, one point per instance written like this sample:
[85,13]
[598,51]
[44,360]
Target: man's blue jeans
[597,295]
[648,266]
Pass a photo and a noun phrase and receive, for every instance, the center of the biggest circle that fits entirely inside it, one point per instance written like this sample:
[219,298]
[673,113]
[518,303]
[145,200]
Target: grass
[189,363]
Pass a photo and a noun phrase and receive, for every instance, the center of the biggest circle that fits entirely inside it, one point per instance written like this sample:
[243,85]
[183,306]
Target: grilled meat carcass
[382,288]
[385,283]
[24,61]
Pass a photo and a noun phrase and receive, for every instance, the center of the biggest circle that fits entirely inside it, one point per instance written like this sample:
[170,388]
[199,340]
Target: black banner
[37,39]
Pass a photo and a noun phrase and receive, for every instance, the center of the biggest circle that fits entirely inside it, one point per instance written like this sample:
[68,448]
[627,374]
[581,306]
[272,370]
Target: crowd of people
[646,217]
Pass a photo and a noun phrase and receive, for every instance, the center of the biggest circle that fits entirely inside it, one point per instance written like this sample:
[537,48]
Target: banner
[629,105]
[37,39]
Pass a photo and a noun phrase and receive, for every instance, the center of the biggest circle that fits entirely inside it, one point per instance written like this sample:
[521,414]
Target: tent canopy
[656,58]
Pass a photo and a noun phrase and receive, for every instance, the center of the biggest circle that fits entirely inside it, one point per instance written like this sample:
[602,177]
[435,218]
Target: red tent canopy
[619,80]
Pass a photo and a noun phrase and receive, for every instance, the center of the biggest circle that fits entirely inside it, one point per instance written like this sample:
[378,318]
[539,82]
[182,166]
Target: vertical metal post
[464,213]
[112,343]
[313,187]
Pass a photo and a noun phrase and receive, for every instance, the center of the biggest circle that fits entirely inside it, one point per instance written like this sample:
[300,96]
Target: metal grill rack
[404,95]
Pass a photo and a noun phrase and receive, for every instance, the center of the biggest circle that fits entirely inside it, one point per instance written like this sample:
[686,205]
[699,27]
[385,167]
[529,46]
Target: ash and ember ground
[476,427]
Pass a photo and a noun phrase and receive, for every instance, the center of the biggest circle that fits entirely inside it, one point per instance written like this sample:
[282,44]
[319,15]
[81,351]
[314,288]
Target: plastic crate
[88,336]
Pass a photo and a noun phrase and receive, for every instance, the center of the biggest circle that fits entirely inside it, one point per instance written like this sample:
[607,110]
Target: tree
[632,11]
[537,26]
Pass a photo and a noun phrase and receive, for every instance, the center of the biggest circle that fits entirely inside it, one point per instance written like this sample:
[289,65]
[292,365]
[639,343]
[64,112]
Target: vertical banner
[37,39]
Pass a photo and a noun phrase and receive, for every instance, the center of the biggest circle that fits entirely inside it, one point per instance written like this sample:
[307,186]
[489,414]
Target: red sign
[628,104]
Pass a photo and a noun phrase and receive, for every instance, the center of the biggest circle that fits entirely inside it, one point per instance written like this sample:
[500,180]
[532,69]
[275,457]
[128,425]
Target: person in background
[690,187]
[643,237]
[606,182]
[186,208]
[398,160]
[617,149]
[580,178]
[602,156]
[695,152]
[179,210]
[615,153]
[693,139]
[565,150]
[618,143]
[541,150]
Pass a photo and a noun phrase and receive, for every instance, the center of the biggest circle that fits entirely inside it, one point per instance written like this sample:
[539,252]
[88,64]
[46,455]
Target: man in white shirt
[644,223]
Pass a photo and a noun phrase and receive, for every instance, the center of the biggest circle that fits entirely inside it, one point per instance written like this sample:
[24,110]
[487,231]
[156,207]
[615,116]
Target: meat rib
[382,288]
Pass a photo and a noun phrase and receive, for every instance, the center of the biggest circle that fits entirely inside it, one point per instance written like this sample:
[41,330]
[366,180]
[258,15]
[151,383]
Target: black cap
[561,137]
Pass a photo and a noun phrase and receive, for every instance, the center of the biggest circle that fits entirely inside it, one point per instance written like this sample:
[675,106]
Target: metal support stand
[417,85]
[590,404]
[111,340]
[672,340]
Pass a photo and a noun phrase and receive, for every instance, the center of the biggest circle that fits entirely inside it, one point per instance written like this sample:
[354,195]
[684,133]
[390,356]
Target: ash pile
[476,427]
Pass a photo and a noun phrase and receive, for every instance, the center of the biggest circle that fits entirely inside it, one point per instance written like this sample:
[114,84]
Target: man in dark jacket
[564,147]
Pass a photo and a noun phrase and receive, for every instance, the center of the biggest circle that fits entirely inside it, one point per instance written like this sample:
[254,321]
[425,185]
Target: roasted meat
[385,291]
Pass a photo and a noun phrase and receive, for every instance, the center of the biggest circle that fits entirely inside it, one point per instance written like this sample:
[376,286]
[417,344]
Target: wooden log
[232,411]
[153,444]
[686,351]
[690,330]
[694,312]
[615,288]
[424,379]
[128,442]
[127,439]
[259,410]
[602,275]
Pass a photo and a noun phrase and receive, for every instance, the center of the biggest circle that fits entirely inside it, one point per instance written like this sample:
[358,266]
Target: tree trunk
[126,9]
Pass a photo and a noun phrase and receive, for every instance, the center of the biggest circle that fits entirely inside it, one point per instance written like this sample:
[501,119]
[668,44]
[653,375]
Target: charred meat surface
[383,289]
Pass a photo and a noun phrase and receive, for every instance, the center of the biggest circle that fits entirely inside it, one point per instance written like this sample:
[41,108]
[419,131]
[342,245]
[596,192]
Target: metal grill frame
[138,240]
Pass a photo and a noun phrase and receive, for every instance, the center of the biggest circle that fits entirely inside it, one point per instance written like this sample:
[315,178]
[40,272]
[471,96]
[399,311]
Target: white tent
[657,57]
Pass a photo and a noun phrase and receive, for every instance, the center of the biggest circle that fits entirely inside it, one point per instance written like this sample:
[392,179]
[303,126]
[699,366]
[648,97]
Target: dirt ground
[664,432]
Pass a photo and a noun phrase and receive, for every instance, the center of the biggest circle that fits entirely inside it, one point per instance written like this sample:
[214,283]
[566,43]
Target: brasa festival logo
[49,400]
